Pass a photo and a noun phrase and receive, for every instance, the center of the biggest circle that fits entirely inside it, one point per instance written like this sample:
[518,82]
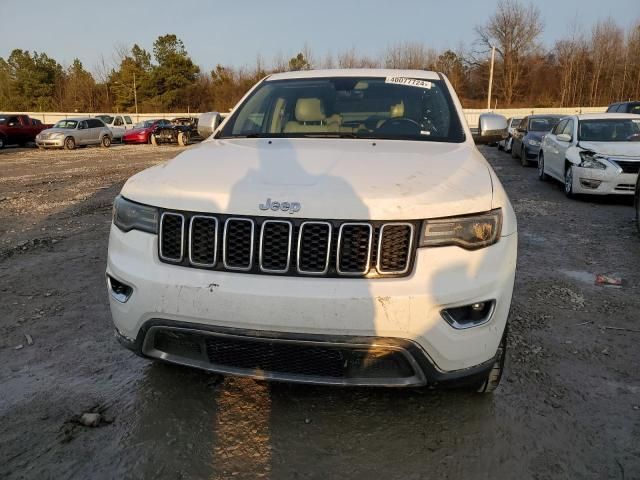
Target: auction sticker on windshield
[411,82]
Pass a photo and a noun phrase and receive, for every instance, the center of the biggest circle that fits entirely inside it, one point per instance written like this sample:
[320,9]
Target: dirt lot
[569,406]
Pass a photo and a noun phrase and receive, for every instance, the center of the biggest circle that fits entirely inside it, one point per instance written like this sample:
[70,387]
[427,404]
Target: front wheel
[495,375]
[541,175]
[183,139]
[568,181]
[106,141]
[514,152]
[69,143]
[523,157]
[153,139]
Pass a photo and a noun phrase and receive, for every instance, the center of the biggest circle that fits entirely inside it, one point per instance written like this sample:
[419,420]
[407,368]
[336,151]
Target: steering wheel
[399,125]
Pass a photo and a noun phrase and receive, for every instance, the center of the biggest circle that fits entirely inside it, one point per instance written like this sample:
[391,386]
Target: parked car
[348,232]
[595,154]
[118,124]
[526,138]
[141,133]
[75,132]
[624,107]
[19,129]
[174,132]
[505,143]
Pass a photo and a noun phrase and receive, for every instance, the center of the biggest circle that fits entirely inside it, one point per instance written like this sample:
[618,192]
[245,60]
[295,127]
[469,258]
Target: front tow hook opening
[468,316]
[121,292]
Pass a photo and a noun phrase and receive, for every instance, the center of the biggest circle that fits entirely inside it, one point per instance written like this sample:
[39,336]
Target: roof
[604,115]
[356,72]
[546,115]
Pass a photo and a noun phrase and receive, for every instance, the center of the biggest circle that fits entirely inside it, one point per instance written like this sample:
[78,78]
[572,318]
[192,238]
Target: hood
[329,178]
[137,131]
[622,149]
[58,130]
[536,135]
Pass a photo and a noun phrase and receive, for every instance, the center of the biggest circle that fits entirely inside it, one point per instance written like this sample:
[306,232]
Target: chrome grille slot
[314,247]
[171,237]
[354,248]
[203,240]
[275,246]
[284,246]
[237,245]
[394,246]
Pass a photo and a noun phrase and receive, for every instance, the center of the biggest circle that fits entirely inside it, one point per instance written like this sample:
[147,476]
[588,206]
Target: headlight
[533,143]
[470,232]
[128,215]
[589,161]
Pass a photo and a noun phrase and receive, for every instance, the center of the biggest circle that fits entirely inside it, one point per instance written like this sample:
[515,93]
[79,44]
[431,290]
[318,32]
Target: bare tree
[514,30]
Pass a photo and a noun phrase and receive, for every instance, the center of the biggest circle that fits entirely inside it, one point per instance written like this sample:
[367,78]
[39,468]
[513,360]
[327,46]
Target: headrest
[309,110]
[397,110]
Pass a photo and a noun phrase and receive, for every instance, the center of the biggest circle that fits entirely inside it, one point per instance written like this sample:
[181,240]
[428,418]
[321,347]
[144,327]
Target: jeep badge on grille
[291,207]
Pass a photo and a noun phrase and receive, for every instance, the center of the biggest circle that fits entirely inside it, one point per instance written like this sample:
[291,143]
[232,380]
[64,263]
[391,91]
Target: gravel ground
[569,406]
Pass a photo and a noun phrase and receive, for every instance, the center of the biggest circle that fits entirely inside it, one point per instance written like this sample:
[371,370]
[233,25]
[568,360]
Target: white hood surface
[623,149]
[329,178]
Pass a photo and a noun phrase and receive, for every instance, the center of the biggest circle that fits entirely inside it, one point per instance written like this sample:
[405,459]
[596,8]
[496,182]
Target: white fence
[471,114]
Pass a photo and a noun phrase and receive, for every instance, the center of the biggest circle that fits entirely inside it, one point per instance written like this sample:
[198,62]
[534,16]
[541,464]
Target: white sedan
[596,154]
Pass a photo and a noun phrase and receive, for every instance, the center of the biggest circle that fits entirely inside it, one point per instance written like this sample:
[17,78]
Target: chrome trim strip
[169,259]
[326,263]
[224,244]
[418,379]
[368,266]
[268,270]
[460,326]
[411,233]
[215,241]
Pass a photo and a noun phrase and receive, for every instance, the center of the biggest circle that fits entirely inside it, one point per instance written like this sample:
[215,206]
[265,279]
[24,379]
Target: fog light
[589,183]
[119,291]
[468,316]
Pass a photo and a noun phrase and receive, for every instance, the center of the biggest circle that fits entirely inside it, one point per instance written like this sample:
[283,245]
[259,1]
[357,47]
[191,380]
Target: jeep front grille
[278,246]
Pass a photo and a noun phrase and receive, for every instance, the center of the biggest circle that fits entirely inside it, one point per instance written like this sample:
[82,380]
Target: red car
[141,133]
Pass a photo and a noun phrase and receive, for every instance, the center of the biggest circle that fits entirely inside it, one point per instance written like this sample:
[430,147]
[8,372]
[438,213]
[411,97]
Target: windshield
[146,124]
[66,124]
[105,118]
[609,130]
[542,124]
[363,107]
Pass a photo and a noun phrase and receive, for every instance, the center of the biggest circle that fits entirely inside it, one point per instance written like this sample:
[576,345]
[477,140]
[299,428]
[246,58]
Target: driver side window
[559,128]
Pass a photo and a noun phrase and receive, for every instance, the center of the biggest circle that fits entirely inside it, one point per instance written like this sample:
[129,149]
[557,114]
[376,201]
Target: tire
[106,141]
[523,157]
[495,375]
[500,147]
[2,143]
[153,141]
[541,175]
[69,143]
[568,181]
[507,146]
[183,139]
[514,153]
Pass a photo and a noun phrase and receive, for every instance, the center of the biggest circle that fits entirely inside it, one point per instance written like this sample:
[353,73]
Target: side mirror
[491,128]
[564,137]
[208,122]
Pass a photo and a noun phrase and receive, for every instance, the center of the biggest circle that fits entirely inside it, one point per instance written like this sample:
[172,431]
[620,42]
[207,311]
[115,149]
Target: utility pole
[135,95]
[493,58]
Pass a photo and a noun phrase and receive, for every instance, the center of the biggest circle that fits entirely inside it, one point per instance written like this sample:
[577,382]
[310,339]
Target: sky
[235,32]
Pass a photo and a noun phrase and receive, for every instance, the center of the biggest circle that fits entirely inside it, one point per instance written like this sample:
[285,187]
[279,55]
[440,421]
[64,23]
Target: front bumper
[404,309]
[58,142]
[590,181]
[531,151]
[142,138]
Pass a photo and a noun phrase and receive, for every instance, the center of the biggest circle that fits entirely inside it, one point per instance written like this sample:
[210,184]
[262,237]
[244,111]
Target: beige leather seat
[395,111]
[310,118]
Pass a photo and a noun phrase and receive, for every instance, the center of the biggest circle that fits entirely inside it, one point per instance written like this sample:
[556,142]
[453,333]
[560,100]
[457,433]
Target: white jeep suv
[339,227]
